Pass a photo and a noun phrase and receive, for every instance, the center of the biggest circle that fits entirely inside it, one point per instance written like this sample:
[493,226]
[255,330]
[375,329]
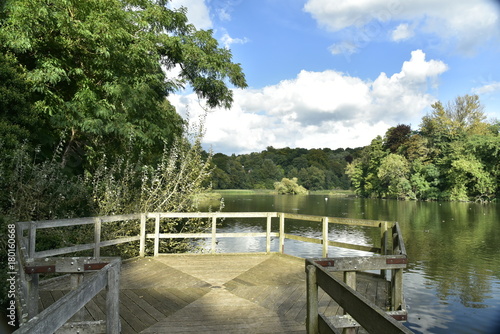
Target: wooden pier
[210,293]
[230,293]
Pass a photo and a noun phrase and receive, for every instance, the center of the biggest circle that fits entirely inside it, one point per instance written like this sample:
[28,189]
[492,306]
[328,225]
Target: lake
[452,283]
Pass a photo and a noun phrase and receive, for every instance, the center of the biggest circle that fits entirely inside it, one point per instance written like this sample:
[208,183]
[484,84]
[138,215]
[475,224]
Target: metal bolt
[72,263]
[79,269]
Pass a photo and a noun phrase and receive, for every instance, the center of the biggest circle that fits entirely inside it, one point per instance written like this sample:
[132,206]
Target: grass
[331,193]
[246,191]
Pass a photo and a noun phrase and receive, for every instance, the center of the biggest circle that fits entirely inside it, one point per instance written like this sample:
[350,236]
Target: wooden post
[157,234]
[113,300]
[32,295]
[214,232]
[350,280]
[383,244]
[75,281]
[32,240]
[325,237]
[312,300]
[282,233]
[268,234]
[142,242]
[97,238]
[32,283]
[397,289]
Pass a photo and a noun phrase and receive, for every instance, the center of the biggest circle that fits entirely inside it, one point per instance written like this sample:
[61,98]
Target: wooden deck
[212,294]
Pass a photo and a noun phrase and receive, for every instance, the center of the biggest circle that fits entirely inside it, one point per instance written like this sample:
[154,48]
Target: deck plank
[212,294]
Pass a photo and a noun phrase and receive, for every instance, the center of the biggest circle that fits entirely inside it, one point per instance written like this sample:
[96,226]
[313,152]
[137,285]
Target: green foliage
[397,136]
[317,169]
[95,77]
[454,156]
[127,186]
[393,174]
[289,186]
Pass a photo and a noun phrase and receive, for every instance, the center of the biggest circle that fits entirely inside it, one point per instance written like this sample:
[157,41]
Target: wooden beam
[157,235]
[113,325]
[312,300]
[325,237]
[97,237]
[214,234]
[360,263]
[142,243]
[53,317]
[268,233]
[83,327]
[282,233]
[367,314]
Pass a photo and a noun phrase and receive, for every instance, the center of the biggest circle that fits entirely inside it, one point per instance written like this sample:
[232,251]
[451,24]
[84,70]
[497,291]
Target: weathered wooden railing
[358,309]
[27,236]
[369,316]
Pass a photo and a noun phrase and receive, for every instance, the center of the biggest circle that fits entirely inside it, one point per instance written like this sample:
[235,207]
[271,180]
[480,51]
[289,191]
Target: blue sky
[337,73]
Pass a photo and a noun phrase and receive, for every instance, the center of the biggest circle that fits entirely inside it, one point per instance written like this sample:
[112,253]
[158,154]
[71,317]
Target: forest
[453,155]
[315,169]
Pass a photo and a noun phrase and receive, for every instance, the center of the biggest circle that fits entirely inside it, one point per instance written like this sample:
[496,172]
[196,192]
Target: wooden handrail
[56,315]
[365,313]
[27,231]
[98,222]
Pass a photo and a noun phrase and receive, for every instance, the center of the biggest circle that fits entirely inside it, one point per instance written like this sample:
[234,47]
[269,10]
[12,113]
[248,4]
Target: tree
[396,137]
[393,174]
[95,70]
[312,178]
[289,186]
[454,122]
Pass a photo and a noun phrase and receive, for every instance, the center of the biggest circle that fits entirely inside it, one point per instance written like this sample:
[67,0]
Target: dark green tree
[97,71]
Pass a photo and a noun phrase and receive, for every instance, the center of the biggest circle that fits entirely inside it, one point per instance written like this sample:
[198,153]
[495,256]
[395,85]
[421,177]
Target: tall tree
[97,69]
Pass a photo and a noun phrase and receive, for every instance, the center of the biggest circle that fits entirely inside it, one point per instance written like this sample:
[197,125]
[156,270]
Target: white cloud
[345,48]
[402,32]
[487,88]
[319,109]
[228,40]
[197,12]
[467,23]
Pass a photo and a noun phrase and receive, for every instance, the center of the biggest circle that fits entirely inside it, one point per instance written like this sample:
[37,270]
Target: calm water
[452,284]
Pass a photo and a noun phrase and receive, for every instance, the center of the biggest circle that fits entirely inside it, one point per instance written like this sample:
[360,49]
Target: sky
[337,73]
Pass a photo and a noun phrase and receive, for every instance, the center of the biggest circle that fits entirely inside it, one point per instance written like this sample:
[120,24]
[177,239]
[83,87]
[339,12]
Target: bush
[287,186]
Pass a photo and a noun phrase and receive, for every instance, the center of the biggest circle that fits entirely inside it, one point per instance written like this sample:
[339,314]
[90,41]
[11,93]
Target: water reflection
[452,284]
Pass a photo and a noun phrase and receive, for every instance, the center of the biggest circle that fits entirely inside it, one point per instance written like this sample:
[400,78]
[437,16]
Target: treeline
[315,169]
[453,155]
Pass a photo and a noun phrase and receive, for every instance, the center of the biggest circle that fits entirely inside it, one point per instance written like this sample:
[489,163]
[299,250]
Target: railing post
[32,294]
[32,240]
[113,300]
[97,238]
[32,281]
[214,234]
[383,244]
[325,236]
[282,233]
[397,274]
[157,234]
[268,234]
[312,300]
[75,281]
[397,289]
[142,241]
[350,280]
